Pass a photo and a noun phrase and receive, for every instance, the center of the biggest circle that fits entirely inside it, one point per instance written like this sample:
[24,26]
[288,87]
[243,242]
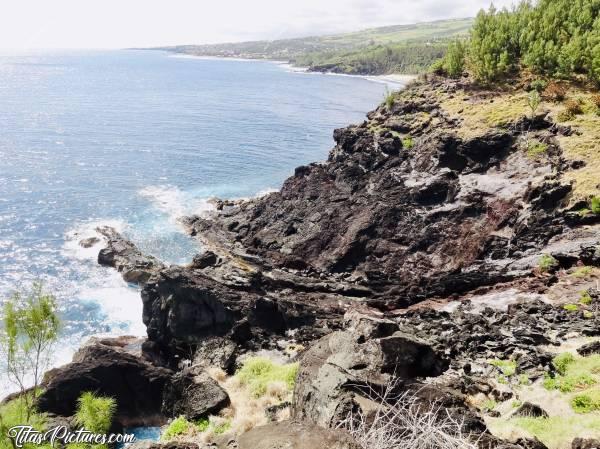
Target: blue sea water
[137,139]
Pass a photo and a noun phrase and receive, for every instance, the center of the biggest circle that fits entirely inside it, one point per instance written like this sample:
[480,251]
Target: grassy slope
[500,106]
[343,50]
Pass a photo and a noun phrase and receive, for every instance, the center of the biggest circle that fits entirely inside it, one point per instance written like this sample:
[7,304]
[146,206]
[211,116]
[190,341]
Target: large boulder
[338,371]
[295,435]
[110,369]
[194,395]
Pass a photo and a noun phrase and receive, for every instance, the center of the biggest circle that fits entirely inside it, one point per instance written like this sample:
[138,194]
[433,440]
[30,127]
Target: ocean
[136,139]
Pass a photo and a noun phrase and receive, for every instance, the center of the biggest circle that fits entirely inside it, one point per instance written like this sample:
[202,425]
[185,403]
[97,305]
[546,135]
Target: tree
[454,61]
[31,327]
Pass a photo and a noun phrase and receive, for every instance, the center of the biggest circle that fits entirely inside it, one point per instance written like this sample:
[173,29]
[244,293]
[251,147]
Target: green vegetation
[547,262]
[489,405]
[178,426]
[534,101]
[392,49]
[507,367]
[389,99]
[583,272]
[595,204]
[585,298]
[558,38]
[586,402]
[555,432]
[573,373]
[571,307]
[19,412]
[31,328]
[95,413]
[408,143]
[535,148]
[258,372]
[181,426]
[454,61]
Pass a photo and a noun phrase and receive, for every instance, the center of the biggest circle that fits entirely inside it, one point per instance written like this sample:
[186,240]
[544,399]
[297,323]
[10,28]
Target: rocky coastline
[410,257]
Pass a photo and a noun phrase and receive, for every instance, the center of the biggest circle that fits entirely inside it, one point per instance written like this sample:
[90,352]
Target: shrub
[535,148]
[405,423]
[587,314]
[95,413]
[571,307]
[389,98]
[524,379]
[583,272]
[538,85]
[562,361]
[555,92]
[408,143]
[438,67]
[178,426]
[489,405]
[547,263]
[573,107]
[454,61]
[17,412]
[596,100]
[534,100]
[258,372]
[585,298]
[595,204]
[507,367]
[29,329]
[586,402]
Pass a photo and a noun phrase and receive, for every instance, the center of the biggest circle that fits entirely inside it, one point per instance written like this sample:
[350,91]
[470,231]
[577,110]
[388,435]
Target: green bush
[562,361]
[583,272]
[389,99]
[559,38]
[408,143]
[535,148]
[258,372]
[95,413]
[547,262]
[454,61]
[571,307]
[595,204]
[178,426]
[585,298]
[507,367]
[586,402]
[15,413]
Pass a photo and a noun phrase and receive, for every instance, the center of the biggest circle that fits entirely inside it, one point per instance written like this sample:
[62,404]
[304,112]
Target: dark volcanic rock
[295,435]
[336,368]
[583,443]
[404,223]
[123,255]
[528,409]
[111,371]
[193,395]
[589,348]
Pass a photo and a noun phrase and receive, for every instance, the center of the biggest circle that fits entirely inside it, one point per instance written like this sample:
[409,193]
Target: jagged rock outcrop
[145,394]
[193,395]
[110,369]
[338,372]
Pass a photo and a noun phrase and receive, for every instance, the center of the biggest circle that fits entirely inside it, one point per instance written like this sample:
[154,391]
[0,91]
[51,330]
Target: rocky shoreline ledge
[442,262]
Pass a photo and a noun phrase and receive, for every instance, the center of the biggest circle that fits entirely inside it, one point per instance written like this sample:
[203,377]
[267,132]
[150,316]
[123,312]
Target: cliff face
[440,251]
[405,208]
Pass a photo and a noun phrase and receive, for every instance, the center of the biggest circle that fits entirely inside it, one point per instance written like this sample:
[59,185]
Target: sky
[44,24]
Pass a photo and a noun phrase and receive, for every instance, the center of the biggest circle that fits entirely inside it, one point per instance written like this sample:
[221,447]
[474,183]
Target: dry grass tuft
[403,423]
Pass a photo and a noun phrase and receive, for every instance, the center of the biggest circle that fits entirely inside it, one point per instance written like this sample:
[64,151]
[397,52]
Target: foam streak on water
[135,140]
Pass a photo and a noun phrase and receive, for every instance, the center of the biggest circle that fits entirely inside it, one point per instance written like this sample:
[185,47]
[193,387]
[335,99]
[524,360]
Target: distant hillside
[391,49]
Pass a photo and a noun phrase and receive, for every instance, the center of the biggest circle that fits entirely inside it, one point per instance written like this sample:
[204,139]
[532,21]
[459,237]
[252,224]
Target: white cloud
[141,23]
